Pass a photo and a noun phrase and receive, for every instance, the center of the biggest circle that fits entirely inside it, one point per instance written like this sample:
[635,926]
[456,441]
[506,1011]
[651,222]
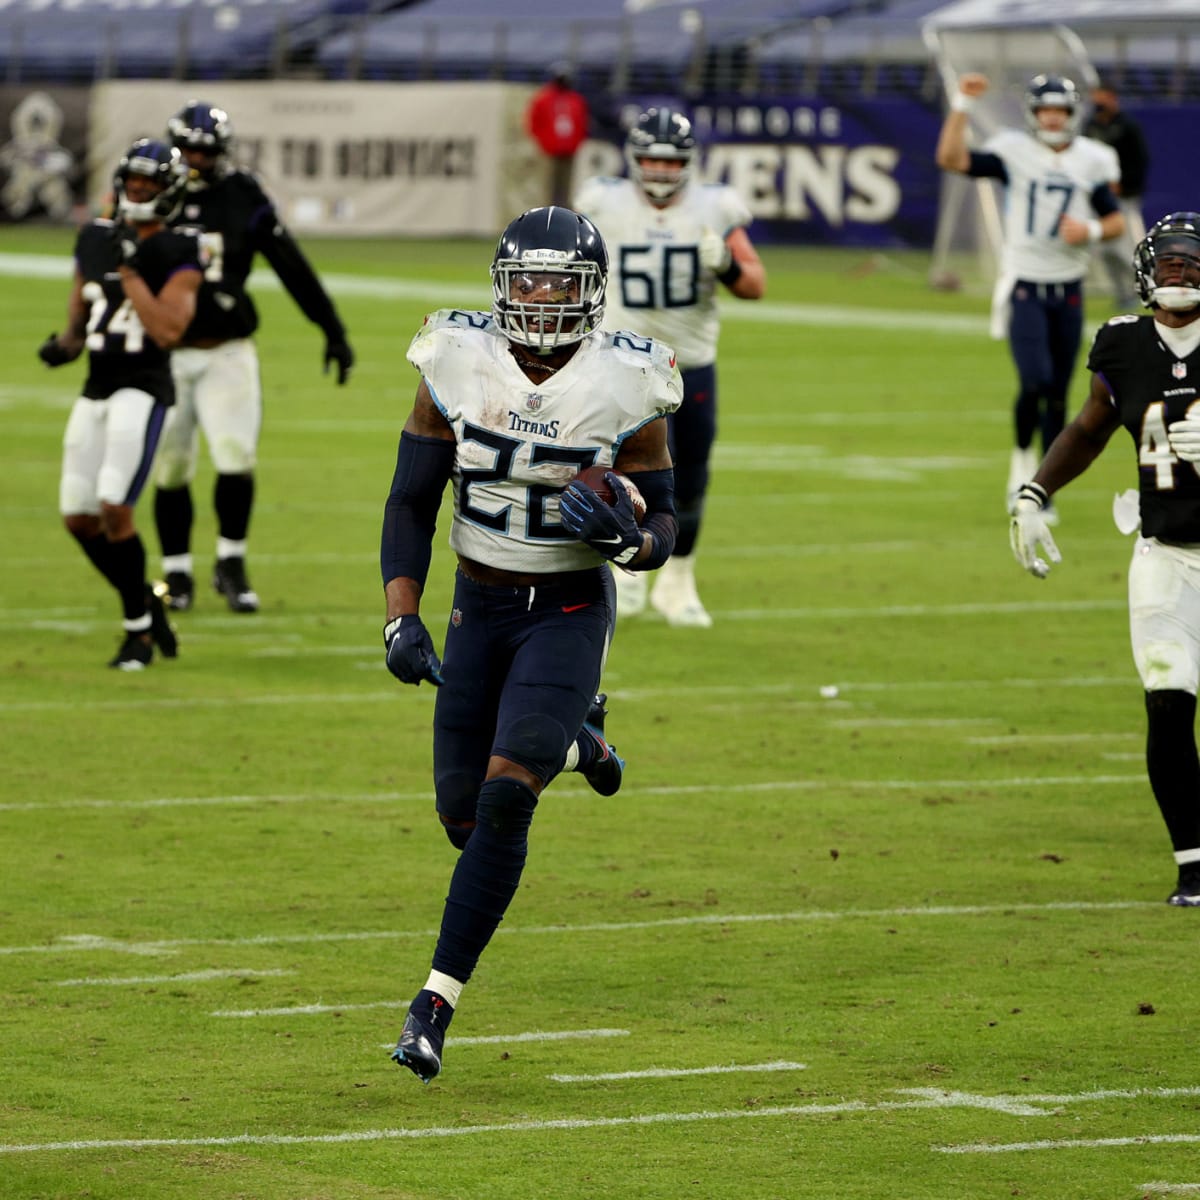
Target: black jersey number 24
[109,318]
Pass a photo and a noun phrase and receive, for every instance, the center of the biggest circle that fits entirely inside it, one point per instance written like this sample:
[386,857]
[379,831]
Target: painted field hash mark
[928,1099]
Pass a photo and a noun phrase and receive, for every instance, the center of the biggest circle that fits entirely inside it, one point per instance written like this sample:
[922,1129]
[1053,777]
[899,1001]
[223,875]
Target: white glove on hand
[1029,530]
[715,255]
[1184,437]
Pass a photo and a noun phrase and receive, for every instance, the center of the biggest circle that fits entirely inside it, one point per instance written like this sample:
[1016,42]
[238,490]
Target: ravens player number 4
[512,404]
[1146,377]
[133,295]
[216,368]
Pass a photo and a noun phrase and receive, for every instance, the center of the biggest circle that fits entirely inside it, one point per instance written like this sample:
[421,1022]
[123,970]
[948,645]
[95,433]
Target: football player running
[1057,202]
[216,369]
[511,406]
[1146,377]
[132,297]
[673,240]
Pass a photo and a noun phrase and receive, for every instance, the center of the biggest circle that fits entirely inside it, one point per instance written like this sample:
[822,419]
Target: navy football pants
[1044,333]
[522,666]
[691,432]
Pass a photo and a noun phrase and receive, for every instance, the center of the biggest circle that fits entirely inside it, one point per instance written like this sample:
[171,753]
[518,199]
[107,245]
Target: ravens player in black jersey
[216,368]
[133,295]
[1146,377]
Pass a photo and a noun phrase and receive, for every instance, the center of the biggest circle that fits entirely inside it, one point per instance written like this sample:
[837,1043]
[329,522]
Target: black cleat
[181,591]
[161,633]
[135,653]
[605,772]
[420,1045]
[1187,890]
[229,579]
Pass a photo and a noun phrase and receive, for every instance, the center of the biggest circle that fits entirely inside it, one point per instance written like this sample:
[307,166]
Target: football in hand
[594,478]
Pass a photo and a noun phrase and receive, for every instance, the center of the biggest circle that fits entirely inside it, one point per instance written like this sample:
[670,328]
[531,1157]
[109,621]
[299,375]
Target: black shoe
[229,579]
[604,774]
[181,590]
[135,653]
[420,1045]
[161,633]
[1187,890]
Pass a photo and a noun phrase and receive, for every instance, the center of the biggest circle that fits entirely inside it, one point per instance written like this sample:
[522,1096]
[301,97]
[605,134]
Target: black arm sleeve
[658,490]
[295,272]
[1103,201]
[985,165]
[423,466]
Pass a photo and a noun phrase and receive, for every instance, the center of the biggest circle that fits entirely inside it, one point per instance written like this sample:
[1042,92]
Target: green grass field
[907,942]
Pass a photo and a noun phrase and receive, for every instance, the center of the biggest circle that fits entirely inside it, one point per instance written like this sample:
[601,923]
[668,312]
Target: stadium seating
[96,39]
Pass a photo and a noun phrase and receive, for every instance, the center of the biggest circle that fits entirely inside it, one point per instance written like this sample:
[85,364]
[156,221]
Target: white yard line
[681,1072]
[93,943]
[764,786]
[438,291]
[928,1099]
[1143,1139]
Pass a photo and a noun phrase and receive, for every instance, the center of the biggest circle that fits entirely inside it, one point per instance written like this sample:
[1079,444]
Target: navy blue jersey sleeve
[985,165]
[1103,201]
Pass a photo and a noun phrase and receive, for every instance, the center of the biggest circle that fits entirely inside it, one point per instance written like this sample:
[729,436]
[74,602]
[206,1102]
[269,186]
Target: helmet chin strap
[1054,137]
[1176,299]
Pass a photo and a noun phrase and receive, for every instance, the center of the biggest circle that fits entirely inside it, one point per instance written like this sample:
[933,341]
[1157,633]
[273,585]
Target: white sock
[228,548]
[445,986]
[177,562]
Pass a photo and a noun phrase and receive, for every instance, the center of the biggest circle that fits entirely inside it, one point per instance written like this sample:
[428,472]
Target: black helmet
[1053,91]
[560,254]
[201,126]
[666,135]
[157,161]
[1174,239]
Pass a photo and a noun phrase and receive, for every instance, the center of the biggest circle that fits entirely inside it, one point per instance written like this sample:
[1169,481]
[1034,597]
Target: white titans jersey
[518,443]
[1044,185]
[656,285]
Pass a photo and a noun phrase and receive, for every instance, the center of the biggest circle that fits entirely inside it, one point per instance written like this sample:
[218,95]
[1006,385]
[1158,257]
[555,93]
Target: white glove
[1184,437]
[715,255]
[1029,530]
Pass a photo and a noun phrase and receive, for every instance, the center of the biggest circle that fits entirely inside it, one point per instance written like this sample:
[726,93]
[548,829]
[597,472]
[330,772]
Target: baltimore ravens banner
[350,158]
[856,173]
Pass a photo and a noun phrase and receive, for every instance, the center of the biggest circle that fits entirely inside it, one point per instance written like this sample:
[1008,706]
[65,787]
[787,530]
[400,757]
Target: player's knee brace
[506,809]
[537,742]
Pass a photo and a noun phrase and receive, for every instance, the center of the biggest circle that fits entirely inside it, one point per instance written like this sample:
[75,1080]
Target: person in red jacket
[557,119]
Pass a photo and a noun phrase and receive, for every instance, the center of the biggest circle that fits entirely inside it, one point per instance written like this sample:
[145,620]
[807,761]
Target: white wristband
[961,102]
[1095,232]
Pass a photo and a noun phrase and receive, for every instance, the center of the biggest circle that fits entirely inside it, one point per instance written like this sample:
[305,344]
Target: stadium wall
[452,159]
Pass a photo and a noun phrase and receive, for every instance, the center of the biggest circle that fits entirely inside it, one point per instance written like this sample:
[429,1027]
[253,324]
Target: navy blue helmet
[152,160]
[664,136]
[201,126]
[549,275]
[1053,91]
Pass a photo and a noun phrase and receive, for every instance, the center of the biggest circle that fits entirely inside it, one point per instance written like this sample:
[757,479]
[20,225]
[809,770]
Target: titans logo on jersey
[517,445]
[656,285]
[1151,389]
[120,352]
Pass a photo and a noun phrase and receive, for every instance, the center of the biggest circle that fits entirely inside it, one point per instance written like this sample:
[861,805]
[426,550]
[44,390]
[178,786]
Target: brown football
[594,478]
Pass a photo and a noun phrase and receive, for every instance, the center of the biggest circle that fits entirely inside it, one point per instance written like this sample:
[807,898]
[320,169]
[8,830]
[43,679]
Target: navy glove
[126,242]
[54,354]
[609,529]
[337,351]
[410,653]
